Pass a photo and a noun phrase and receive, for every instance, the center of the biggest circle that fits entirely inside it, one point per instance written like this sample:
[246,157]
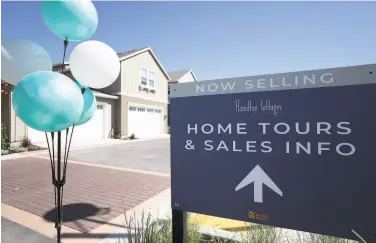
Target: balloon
[22,57]
[90,106]
[73,20]
[95,64]
[47,101]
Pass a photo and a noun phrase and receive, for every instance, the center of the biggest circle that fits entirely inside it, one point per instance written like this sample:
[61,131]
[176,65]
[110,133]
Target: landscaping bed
[148,230]
[18,147]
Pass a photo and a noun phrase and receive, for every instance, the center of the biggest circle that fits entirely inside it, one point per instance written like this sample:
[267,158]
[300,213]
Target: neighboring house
[136,103]
[181,76]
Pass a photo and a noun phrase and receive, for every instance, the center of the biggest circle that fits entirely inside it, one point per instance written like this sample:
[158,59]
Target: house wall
[131,78]
[188,77]
[18,129]
[115,87]
[122,112]
[5,113]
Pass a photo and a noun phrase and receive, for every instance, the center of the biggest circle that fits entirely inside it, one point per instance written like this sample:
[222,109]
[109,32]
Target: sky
[220,39]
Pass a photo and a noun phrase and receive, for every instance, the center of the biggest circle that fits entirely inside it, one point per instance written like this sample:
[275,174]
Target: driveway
[152,155]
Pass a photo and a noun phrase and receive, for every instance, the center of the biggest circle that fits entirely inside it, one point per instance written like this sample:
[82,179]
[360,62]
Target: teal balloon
[72,20]
[90,105]
[47,101]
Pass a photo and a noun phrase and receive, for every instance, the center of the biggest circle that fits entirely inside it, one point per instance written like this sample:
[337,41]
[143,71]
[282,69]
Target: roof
[177,75]
[128,54]
[120,55]
[102,94]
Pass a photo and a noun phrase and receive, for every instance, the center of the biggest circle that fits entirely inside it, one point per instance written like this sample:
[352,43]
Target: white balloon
[94,64]
[22,57]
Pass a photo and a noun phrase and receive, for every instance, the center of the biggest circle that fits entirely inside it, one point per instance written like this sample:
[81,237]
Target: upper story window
[144,76]
[147,78]
[151,79]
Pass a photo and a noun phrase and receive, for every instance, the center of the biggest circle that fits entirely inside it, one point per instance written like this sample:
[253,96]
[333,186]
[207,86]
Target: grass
[148,230]
[262,234]
[316,238]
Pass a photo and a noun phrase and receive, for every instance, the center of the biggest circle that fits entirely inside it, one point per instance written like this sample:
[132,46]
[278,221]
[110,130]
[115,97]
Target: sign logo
[265,106]
[257,216]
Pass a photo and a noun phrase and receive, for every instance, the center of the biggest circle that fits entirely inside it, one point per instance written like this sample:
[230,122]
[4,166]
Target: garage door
[144,122]
[93,129]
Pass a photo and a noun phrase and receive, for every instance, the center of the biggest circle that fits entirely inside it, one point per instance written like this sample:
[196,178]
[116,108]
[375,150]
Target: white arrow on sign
[258,177]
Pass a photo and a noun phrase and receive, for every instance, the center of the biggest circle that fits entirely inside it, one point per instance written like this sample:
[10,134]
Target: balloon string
[67,152]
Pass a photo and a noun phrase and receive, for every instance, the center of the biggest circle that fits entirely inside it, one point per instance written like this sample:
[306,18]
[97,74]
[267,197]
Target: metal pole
[179,226]
[58,219]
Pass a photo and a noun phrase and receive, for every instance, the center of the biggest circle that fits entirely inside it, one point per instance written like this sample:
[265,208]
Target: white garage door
[93,129]
[36,137]
[144,121]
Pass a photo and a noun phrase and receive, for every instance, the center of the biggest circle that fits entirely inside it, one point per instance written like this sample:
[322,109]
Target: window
[151,79]
[144,76]
[147,78]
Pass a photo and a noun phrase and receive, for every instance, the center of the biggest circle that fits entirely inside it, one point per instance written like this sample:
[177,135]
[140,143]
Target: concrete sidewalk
[12,232]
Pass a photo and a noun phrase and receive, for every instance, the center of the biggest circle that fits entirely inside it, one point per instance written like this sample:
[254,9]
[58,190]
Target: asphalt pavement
[12,232]
[152,155]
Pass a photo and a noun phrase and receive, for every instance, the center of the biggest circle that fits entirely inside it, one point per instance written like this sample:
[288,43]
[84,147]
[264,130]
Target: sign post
[290,150]
[179,226]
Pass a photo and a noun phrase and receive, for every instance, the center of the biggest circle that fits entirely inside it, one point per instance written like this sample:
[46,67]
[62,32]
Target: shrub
[132,137]
[262,234]
[116,134]
[25,142]
[34,148]
[4,137]
[18,149]
[303,237]
[316,238]
[147,230]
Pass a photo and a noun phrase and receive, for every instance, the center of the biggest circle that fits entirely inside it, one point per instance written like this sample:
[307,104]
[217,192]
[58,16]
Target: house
[136,103]
[181,76]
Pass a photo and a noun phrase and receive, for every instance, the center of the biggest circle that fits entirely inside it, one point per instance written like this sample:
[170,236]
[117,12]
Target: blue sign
[294,150]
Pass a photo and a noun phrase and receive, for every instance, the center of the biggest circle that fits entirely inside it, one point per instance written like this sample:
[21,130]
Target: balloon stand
[41,93]
[59,169]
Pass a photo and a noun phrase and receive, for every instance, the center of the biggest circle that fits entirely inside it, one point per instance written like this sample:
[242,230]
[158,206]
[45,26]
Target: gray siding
[131,78]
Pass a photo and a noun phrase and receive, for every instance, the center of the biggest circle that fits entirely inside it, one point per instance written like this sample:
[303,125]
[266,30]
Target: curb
[105,144]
